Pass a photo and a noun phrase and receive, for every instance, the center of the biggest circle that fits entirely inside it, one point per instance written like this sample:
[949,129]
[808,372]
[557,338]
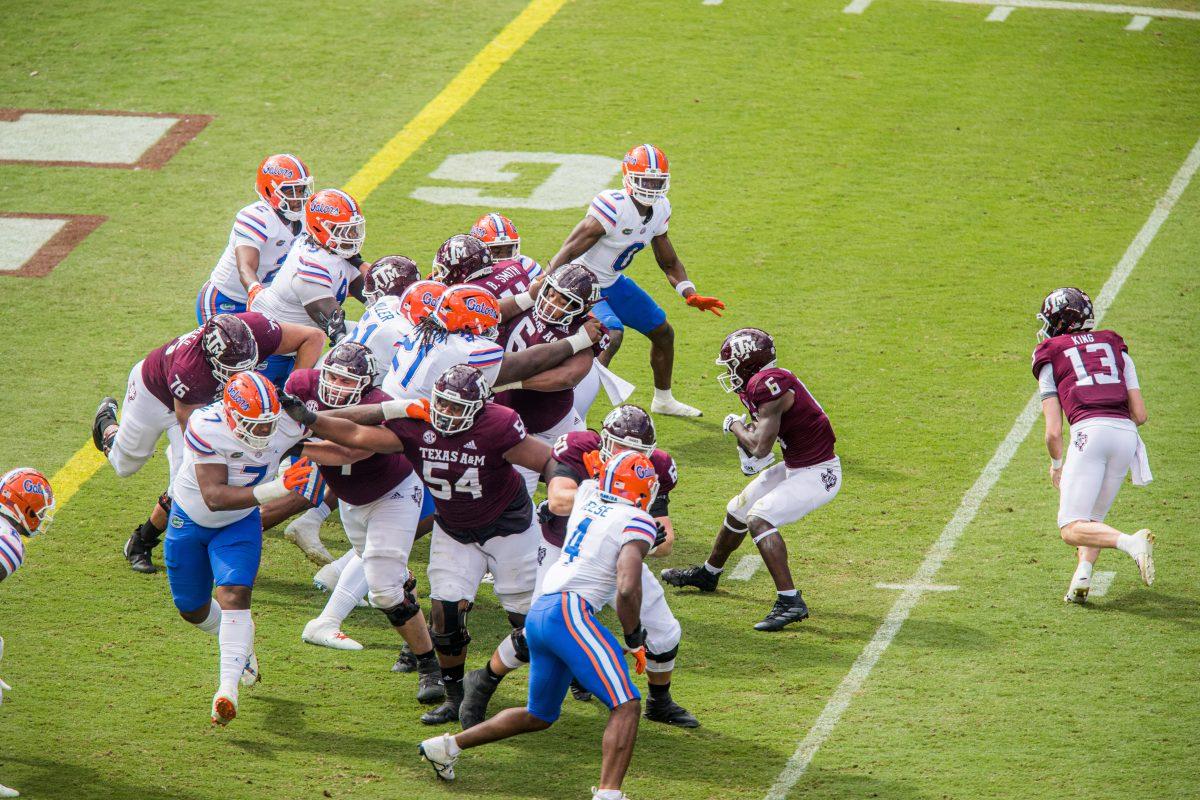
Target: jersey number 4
[572,546]
[1108,361]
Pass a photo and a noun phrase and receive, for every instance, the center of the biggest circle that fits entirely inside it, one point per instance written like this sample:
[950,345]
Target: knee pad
[404,611]
[514,650]
[164,502]
[661,662]
[454,637]
[520,646]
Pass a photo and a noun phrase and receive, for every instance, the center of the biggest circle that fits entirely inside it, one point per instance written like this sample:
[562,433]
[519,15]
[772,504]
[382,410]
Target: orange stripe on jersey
[617,662]
[566,612]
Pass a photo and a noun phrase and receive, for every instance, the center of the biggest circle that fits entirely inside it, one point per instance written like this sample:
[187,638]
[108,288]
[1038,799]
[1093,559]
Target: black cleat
[446,712]
[579,693]
[785,611]
[406,661]
[137,553]
[430,689]
[696,576]
[478,688]
[106,416]
[670,713]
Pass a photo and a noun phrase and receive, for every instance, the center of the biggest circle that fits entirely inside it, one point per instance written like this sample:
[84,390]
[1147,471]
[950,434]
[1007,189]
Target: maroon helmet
[744,353]
[1066,311]
[390,275]
[565,294]
[461,258]
[229,346]
[346,372]
[627,427]
[458,398]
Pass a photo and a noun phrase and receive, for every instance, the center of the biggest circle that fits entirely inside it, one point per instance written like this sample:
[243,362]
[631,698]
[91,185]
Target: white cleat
[436,750]
[250,673]
[1145,558]
[322,634]
[305,533]
[1078,591]
[327,577]
[224,707]
[673,408]
[596,793]
[7,792]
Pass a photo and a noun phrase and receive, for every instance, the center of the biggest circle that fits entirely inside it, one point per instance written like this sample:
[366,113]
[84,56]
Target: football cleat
[106,417]
[137,553]
[596,793]
[1077,592]
[430,688]
[448,710]
[322,634]
[251,673]
[305,533]
[785,611]
[327,577]
[7,792]
[579,692]
[1145,558]
[478,689]
[696,576]
[436,751]
[670,713]
[224,707]
[406,661]
[674,408]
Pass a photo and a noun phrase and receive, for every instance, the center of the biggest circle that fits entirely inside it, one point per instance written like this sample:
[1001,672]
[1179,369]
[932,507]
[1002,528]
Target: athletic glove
[410,584]
[660,534]
[294,407]
[252,293]
[752,465]
[635,645]
[704,303]
[730,419]
[544,514]
[334,325]
[406,409]
[304,478]
[592,463]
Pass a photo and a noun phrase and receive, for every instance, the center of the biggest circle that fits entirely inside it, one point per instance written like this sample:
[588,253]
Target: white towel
[1140,469]
[618,388]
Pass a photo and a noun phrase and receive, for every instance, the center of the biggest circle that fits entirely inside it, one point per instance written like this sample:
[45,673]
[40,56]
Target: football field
[890,188]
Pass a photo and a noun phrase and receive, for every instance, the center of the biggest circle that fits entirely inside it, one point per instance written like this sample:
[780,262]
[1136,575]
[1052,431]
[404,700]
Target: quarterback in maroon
[781,408]
[1088,376]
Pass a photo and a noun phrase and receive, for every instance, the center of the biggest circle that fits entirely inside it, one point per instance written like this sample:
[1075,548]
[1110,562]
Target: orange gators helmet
[499,234]
[27,500]
[251,408]
[419,300]
[285,184]
[464,308]
[645,174]
[629,477]
[334,220]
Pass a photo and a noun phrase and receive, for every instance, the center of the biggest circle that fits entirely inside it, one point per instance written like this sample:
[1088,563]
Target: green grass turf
[889,194]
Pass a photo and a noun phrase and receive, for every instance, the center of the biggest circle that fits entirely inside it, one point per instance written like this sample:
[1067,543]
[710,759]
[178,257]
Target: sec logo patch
[430,437]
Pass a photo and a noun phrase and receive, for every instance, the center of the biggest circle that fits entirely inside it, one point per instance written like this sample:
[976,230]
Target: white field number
[574,182]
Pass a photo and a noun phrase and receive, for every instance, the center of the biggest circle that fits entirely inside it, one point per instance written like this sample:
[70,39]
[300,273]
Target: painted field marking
[576,179]
[712,2]
[1101,583]
[1096,8]
[999,13]
[856,7]
[33,244]
[461,88]
[969,506]
[87,461]
[746,568]
[110,139]
[1138,23]
[924,587]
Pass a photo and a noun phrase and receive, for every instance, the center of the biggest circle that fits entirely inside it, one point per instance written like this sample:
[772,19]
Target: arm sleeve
[562,470]
[1046,385]
[1131,378]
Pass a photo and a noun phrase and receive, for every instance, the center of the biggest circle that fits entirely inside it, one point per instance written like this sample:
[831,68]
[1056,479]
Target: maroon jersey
[363,481]
[540,411]
[477,494]
[804,432]
[507,278]
[1089,371]
[568,457]
[179,371]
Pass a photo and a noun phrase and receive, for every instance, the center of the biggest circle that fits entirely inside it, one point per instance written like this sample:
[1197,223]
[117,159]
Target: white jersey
[12,548]
[258,226]
[596,532]
[625,233]
[416,367]
[309,272]
[381,329]
[210,440]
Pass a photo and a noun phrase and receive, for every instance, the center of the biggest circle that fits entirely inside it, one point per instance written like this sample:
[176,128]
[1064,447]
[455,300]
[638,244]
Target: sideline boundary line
[971,502]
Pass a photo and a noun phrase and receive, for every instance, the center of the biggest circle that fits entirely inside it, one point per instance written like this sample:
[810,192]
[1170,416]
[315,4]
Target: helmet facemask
[346,238]
[256,432]
[729,379]
[291,196]
[557,306]
[338,387]
[647,187]
[450,413]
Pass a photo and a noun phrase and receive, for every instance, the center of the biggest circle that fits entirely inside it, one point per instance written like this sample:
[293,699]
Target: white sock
[452,748]
[608,794]
[663,394]
[313,516]
[1083,572]
[508,654]
[351,587]
[788,593]
[1129,545]
[323,510]
[237,640]
[212,623]
[712,569]
[345,558]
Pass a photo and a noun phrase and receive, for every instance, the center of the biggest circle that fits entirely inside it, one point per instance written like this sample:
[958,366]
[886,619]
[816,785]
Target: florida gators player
[26,509]
[500,236]
[233,449]
[261,237]
[618,225]
[601,564]
[170,383]
[809,477]
[1089,376]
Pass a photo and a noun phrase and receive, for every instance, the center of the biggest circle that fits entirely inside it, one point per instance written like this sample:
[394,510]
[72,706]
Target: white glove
[732,418]
[4,687]
[752,465]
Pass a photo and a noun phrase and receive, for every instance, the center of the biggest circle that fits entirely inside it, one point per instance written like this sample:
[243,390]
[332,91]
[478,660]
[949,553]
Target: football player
[575,455]
[262,235]
[511,272]
[26,509]
[616,226]
[1088,376]
[810,476]
[169,384]
[601,564]
[322,267]
[464,448]
[232,448]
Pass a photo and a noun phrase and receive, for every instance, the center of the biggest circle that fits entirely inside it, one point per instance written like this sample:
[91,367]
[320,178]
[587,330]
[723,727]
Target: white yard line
[1098,8]
[1138,23]
[856,7]
[999,13]
[1101,583]
[925,587]
[712,2]
[746,568]
[971,501]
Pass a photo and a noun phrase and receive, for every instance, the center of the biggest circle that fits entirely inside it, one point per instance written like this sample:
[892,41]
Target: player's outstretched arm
[247,267]
[758,442]
[332,455]
[1052,411]
[532,454]
[302,340]
[516,367]
[183,411]
[566,375]
[629,599]
[672,267]
[342,431]
[666,537]
[578,242]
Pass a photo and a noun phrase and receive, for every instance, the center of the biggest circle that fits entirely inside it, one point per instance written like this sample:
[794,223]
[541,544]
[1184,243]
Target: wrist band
[1056,463]
[395,409]
[266,492]
[579,341]
[683,286]
[505,387]
[524,301]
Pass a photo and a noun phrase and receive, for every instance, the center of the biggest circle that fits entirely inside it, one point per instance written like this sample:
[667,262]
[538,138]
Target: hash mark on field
[746,568]
[712,2]
[1062,5]
[924,587]
[999,13]
[856,7]
[971,502]
[1138,23]
[1101,583]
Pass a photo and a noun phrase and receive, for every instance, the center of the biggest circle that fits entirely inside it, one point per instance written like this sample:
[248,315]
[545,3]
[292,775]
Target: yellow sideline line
[437,112]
